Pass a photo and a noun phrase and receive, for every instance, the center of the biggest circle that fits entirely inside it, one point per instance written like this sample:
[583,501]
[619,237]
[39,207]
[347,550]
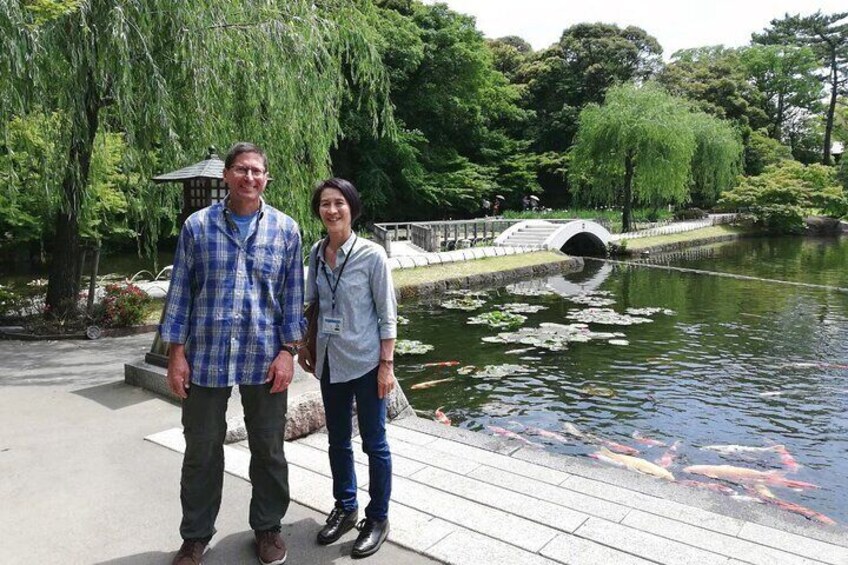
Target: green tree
[509,54]
[717,160]
[785,75]
[762,151]
[636,148]
[827,36]
[456,114]
[715,81]
[174,77]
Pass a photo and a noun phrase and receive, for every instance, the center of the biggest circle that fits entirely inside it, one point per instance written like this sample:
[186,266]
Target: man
[234,316]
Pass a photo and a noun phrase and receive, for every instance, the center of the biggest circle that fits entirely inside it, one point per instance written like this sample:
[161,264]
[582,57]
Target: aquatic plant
[466,303]
[411,347]
[605,316]
[522,308]
[498,319]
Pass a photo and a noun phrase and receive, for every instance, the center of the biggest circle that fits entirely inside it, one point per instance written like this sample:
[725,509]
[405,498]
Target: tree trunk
[628,192]
[64,273]
[831,109]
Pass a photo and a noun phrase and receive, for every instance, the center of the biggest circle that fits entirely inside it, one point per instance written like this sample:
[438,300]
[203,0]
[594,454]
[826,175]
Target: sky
[677,24]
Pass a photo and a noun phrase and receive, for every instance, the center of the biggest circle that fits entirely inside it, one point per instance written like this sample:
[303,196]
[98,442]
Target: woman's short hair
[351,195]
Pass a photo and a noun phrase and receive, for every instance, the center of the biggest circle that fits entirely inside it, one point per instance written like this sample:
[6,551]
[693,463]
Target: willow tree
[717,160]
[176,76]
[636,147]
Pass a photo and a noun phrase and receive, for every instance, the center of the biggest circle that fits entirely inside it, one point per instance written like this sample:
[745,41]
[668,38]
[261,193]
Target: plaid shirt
[231,303]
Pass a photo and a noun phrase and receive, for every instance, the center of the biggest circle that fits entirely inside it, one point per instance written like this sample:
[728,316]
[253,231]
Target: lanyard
[333,288]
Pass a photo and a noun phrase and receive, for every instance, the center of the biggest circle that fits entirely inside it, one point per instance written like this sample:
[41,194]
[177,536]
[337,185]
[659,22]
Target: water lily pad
[499,371]
[497,319]
[411,347]
[605,316]
[402,320]
[522,308]
[591,300]
[649,311]
[551,336]
[618,342]
[466,303]
[530,289]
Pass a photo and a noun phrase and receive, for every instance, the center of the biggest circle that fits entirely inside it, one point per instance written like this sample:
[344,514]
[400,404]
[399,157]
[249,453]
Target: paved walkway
[465,498]
[79,484]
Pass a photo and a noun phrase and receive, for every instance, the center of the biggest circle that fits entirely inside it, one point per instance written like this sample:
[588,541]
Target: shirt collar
[228,214]
[344,249]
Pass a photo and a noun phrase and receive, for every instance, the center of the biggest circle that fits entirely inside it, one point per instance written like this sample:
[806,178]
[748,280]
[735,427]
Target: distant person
[357,313]
[232,317]
[497,206]
[534,202]
[526,203]
[485,207]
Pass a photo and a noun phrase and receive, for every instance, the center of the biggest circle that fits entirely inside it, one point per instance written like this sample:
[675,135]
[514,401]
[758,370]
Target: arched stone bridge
[574,237]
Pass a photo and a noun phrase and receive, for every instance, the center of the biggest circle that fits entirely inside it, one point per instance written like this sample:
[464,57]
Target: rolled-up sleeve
[293,323]
[178,305]
[383,293]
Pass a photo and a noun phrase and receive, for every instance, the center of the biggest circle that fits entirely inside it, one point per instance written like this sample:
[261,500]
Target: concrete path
[79,484]
[466,498]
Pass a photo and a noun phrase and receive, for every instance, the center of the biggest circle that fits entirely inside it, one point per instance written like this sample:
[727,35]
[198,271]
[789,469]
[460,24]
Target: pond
[726,362]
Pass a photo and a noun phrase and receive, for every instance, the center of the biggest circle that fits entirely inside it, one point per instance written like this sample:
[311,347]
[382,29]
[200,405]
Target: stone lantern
[203,184]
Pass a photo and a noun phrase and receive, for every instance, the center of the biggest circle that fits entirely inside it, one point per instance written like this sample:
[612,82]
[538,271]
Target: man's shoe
[270,547]
[338,523]
[190,553]
[372,534]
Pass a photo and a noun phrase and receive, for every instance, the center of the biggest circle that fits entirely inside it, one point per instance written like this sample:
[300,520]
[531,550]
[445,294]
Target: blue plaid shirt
[231,303]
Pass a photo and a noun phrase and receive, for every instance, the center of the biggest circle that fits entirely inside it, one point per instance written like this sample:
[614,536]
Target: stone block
[566,548]
[650,546]
[468,548]
[833,553]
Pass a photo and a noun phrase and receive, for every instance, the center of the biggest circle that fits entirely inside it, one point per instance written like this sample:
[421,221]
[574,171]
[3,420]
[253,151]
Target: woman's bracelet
[388,362]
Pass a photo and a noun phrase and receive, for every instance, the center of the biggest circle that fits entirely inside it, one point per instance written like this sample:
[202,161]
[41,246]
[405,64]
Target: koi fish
[549,435]
[787,460]
[715,487]
[637,435]
[633,463]
[572,430]
[511,435]
[767,496]
[743,474]
[441,417]
[668,457]
[428,384]
[441,364]
[737,449]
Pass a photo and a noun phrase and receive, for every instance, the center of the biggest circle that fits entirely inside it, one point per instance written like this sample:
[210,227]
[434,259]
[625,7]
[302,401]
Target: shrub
[690,214]
[785,193]
[123,305]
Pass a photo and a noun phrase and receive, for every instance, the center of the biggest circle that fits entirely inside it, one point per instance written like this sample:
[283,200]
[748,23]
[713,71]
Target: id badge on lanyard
[332,325]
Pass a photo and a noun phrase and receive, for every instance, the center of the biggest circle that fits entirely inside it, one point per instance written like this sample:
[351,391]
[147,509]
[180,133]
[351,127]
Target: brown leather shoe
[270,547]
[190,553]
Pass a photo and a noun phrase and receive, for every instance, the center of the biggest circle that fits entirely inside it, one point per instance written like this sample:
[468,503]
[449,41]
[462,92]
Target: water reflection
[739,362]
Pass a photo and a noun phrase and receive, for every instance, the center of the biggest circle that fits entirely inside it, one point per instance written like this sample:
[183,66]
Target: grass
[435,273]
[703,233]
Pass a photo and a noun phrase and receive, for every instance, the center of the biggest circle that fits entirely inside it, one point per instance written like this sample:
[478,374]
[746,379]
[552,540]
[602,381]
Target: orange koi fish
[441,417]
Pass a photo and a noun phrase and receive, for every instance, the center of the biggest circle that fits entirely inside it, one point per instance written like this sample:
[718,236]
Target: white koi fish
[633,463]
[737,449]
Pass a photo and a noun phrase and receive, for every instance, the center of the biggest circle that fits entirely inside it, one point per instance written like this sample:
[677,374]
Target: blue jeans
[371,414]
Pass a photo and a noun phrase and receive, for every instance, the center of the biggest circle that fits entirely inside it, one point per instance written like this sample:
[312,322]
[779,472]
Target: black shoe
[338,522]
[372,534]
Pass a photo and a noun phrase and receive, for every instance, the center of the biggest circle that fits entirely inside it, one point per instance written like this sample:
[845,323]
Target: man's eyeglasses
[243,171]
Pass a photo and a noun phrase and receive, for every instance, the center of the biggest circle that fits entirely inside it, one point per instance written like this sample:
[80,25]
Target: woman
[357,326]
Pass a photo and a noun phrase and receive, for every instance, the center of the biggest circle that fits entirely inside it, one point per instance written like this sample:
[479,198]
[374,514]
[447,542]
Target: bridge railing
[383,237]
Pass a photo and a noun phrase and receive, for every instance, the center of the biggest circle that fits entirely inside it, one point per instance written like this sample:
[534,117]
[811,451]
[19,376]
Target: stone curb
[108,332]
[411,292]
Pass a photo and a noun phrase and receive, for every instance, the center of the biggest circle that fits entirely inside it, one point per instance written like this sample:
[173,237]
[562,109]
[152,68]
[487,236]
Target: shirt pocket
[267,259]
